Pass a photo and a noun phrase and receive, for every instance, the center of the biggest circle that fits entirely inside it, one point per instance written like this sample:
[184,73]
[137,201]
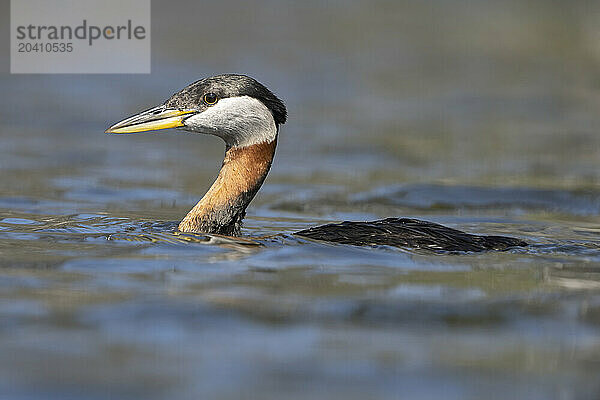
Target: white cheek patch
[239,121]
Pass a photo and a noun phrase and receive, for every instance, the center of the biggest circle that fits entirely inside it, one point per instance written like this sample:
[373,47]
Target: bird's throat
[223,207]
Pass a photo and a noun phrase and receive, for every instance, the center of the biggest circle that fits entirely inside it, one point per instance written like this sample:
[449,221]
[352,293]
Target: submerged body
[407,232]
[247,116]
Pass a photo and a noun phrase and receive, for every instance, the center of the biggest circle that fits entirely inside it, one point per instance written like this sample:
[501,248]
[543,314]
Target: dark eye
[210,98]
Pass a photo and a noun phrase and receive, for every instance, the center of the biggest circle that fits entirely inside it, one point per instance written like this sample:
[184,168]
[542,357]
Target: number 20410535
[45,47]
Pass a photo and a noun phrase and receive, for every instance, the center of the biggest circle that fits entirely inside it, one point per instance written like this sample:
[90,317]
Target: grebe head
[247,116]
[236,108]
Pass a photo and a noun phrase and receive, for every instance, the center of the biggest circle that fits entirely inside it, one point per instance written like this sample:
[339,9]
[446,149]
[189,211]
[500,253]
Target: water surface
[480,115]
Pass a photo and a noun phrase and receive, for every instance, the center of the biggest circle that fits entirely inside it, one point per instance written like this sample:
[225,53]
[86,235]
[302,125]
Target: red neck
[223,207]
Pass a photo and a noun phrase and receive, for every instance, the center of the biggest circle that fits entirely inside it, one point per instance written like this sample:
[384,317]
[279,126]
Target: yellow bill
[151,120]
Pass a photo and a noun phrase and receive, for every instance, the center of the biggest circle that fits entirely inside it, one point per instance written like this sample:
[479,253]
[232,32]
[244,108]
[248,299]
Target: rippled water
[481,116]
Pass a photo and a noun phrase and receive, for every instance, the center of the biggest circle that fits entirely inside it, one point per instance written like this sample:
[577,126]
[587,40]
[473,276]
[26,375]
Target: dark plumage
[406,232]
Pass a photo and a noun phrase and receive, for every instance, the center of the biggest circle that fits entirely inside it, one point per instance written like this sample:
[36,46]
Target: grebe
[247,116]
